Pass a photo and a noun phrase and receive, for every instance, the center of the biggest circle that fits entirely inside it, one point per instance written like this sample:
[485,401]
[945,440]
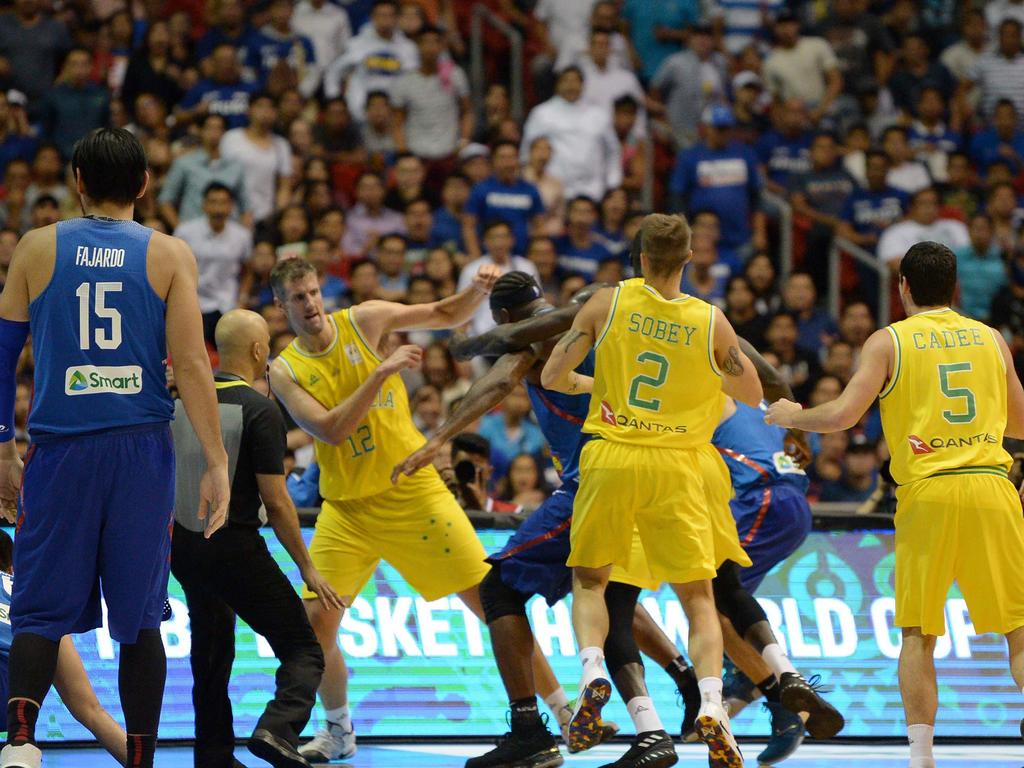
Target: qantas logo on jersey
[607,414]
[110,379]
[920,447]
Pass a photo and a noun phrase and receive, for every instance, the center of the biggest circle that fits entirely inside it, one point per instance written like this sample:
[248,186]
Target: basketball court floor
[453,755]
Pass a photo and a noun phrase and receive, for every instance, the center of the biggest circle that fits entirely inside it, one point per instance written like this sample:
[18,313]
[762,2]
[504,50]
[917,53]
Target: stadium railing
[841,247]
[483,15]
[784,211]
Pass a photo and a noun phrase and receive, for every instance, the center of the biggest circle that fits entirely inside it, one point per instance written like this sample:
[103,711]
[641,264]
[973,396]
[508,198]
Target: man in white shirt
[221,247]
[587,155]
[372,61]
[327,27]
[997,11]
[1000,73]
[922,223]
[604,81]
[498,240]
[802,67]
[567,23]
[265,157]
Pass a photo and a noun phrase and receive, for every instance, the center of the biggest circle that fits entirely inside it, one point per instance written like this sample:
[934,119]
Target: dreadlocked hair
[514,289]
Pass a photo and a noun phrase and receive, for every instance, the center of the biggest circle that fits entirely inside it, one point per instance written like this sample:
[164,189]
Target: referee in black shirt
[233,573]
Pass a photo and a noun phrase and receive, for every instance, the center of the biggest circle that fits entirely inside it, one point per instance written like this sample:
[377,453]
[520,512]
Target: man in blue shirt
[15,143]
[578,249]
[869,211]
[785,150]
[721,175]
[76,105]
[276,43]
[231,28]
[223,93]
[980,268]
[505,196]
[1001,141]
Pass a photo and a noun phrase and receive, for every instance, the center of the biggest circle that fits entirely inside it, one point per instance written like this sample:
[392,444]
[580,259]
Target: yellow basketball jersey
[944,410]
[656,382]
[361,465]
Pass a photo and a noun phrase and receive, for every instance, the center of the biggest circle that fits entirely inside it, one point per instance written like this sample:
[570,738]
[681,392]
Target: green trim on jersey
[611,314]
[898,349]
[711,343]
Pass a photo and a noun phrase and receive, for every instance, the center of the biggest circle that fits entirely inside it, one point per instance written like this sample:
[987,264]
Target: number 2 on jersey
[643,379]
[103,341]
[966,416]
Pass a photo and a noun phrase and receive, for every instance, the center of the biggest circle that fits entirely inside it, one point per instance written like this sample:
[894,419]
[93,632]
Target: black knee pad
[498,598]
[735,602]
[620,648]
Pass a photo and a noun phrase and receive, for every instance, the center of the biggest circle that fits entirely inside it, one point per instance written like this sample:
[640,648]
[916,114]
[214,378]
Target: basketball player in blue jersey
[105,300]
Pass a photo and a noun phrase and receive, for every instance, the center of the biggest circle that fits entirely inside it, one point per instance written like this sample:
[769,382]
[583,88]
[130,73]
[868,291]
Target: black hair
[393,236]
[930,271]
[417,201]
[875,152]
[405,156]
[331,209]
[260,96]
[378,94]
[583,198]
[923,191]
[457,176]
[42,200]
[356,264]
[471,443]
[1012,21]
[566,70]
[783,314]
[625,102]
[826,134]
[429,29]
[494,223]
[1005,103]
[112,164]
[213,115]
[514,289]
[860,445]
[504,143]
[6,552]
[894,129]
[538,239]
[217,186]
[378,3]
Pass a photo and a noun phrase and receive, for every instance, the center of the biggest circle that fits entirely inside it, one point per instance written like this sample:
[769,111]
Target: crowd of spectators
[345,132]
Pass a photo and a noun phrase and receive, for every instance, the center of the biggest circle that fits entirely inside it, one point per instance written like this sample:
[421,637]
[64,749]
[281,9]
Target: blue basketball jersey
[98,334]
[561,418]
[754,451]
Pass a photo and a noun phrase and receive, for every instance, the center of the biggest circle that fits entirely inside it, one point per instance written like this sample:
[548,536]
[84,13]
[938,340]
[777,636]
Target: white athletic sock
[920,737]
[340,716]
[558,703]
[777,659]
[645,717]
[710,689]
[591,656]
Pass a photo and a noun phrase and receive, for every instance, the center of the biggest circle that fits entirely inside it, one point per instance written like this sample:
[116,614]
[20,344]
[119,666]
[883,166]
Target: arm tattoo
[574,383]
[571,338]
[732,365]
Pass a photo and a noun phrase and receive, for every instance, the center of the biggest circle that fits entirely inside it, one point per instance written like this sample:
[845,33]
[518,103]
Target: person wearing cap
[802,66]
[587,155]
[475,162]
[16,139]
[721,175]
[433,116]
[687,82]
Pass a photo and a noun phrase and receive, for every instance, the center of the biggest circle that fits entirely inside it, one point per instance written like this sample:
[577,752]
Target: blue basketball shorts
[533,560]
[97,513]
[772,523]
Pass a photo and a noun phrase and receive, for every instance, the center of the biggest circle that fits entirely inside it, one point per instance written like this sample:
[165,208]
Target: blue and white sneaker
[787,734]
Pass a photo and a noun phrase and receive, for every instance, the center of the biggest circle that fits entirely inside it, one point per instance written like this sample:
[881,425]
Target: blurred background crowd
[400,144]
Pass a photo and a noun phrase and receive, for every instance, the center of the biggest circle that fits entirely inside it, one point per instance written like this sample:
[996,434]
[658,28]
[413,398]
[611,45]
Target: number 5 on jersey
[970,409]
[103,341]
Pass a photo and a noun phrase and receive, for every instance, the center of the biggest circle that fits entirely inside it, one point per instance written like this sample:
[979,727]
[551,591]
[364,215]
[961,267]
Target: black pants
[233,573]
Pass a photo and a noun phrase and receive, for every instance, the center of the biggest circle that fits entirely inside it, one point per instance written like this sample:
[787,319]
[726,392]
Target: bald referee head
[243,343]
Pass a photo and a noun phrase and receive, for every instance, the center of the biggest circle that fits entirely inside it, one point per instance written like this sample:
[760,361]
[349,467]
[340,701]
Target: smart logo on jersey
[918,446]
[109,379]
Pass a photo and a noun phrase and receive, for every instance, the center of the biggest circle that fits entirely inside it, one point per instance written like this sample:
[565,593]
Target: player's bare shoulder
[168,258]
[34,258]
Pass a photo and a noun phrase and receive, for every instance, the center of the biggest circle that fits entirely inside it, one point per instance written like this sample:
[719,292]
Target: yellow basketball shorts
[965,527]
[660,491]
[416,526]
[718,492]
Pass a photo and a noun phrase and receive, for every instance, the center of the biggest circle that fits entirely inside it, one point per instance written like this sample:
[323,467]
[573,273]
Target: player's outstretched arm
[334,425]
[775,387]
[194,378]
[876,364]
[739,377]
[376,319]
[486,392]
[559,372]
